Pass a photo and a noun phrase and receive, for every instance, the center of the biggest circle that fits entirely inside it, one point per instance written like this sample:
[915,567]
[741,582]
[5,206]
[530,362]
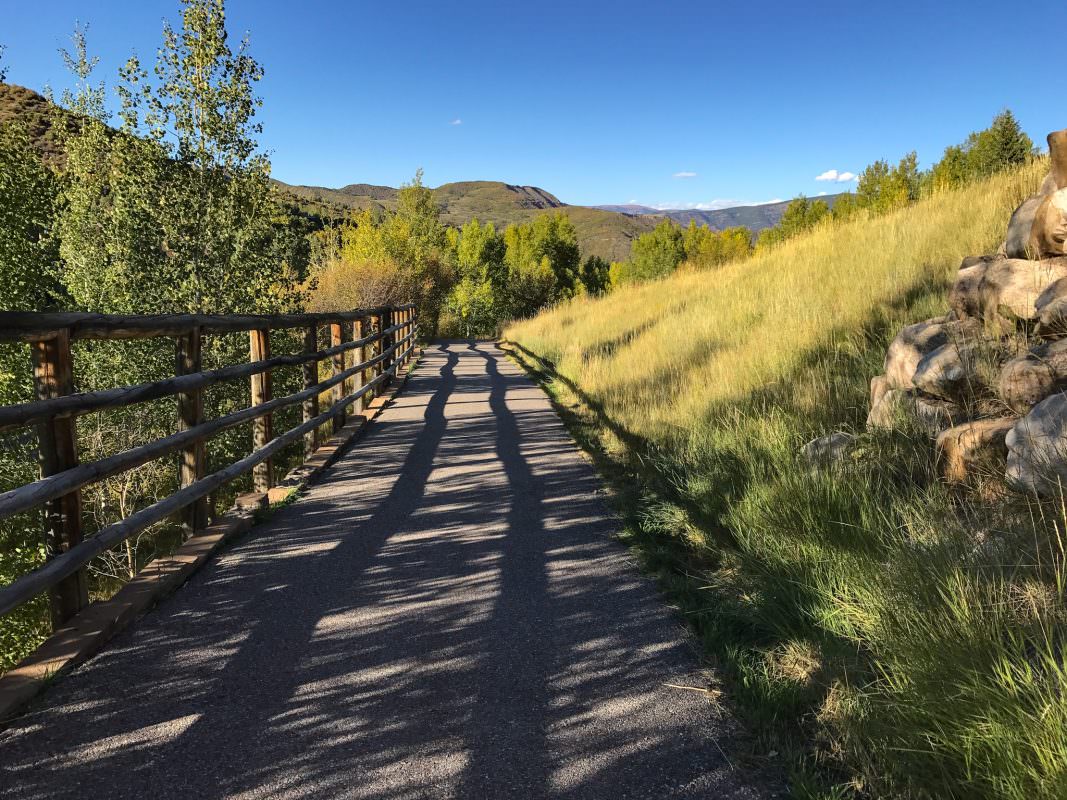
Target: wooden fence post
[193,459]
[410,328]
[387,342]
[310,408]
[53,376]
[337,337]
[358,354]
[376,348]
[262,433]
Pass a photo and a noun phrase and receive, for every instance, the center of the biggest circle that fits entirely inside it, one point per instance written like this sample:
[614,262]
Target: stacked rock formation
[989,379]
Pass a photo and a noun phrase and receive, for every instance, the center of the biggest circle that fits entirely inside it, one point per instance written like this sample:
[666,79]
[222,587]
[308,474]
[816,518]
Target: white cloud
[685,174]
[822,194]
[456,121]
[834,175]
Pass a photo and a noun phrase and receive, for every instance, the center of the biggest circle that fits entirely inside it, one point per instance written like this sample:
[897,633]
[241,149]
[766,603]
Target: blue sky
[668,104]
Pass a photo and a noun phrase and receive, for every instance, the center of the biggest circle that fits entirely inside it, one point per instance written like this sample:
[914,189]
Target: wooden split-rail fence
[379,340]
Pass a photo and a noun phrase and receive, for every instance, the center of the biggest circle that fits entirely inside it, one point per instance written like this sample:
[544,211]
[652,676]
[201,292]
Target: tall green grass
[884,634]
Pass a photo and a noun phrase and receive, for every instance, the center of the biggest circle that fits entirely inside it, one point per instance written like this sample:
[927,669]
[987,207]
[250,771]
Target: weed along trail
[445,613]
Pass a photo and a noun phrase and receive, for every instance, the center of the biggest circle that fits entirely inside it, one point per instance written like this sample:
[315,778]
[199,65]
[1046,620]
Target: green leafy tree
[176,212]
[954,169]
[883,188]
[595,276]
[543,261]
[416,239]
[657,253]
[845,207]
[478,301]
[172,213]
[705,248]
[800,215]
[28,205]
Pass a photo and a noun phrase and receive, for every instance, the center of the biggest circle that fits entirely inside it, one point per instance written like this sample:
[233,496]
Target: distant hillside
[755,218]
[36,114]
[604,233]
[629,208]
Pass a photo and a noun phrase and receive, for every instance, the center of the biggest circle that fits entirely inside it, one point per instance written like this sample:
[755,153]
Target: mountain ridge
[756,217]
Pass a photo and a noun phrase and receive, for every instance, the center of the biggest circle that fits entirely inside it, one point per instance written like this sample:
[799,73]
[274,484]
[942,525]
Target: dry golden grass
[662,354]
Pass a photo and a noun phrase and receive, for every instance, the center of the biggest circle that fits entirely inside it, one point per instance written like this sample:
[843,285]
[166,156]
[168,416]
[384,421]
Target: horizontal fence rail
[387,332]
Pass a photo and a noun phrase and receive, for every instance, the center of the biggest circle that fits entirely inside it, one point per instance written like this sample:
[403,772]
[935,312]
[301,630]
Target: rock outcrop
[1027,380]
[989,379]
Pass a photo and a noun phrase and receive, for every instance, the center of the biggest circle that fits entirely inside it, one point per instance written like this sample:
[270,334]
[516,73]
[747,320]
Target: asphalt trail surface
[445,614]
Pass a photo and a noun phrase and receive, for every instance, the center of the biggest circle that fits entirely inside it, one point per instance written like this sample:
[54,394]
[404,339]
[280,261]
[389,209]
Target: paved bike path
[445,614]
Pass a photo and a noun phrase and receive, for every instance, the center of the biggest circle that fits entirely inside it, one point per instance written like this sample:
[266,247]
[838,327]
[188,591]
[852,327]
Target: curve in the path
[445,614]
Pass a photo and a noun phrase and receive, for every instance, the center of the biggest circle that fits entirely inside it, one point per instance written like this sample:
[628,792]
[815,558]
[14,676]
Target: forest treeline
[881,188]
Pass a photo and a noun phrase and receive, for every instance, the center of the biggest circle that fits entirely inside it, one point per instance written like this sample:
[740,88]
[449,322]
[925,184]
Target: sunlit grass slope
[884,635]
[659,354]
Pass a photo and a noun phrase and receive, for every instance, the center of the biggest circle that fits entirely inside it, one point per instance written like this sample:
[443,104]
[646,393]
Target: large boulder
[916,341]
[1057,158]
[900,405]
[949,370]
[1038,228]
[1050,227]
[1019,242]
[1052,319]
[964,450]
[1037,449]
[1051,307]
[964,298]
[1027,380]
[1010,287]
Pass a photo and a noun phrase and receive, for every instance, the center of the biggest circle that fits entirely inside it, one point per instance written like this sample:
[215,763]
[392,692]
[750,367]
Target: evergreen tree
[1000,146]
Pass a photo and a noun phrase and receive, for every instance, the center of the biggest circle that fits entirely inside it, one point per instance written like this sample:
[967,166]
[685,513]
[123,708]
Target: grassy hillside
[885,635]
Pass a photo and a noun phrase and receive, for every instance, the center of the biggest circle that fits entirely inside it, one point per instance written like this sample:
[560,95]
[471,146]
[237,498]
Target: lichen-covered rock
[1037,449]
[1027,380]
[900,405]
[827,450]
[948,370]
[915,341]
[1010,287]
[965,449]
